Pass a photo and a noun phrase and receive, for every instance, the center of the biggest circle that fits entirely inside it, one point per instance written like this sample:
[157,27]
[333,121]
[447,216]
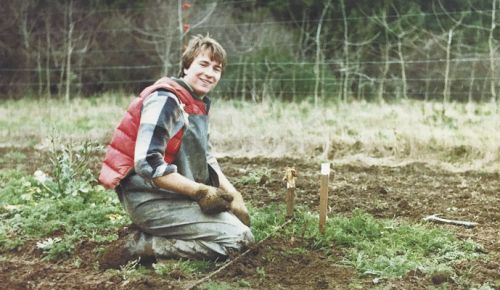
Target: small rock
[382,190]
[403,204]
[263,180]
[440,277]
[177,274]
[322,284]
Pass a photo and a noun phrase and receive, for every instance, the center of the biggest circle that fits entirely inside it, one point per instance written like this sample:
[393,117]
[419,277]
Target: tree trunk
[403,68]
[254,85]
[381,85]
[39,70]
[47,56]
[69,50]
[181,28]
[446,90]
[244,82]
[359,89]
[346,54]
[471,84]
[26,36]
[427,76]
[165,56]
[294,92]
[318,53]
[492,53]
[237,78]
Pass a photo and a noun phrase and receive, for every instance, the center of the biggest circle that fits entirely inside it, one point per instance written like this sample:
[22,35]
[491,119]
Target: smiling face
[203,74]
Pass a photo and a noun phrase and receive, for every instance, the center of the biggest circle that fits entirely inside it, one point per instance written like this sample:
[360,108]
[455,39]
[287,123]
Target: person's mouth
[206,82]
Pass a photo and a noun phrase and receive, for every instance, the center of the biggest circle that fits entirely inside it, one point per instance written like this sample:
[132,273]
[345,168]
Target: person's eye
[204,63]
[217,69]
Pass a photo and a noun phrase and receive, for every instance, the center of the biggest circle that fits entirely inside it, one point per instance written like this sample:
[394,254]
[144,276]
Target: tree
[319,56]
[450,33]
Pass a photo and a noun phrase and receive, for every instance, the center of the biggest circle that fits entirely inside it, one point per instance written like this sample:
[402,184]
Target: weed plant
[217,286]
[253,177]
[59,209]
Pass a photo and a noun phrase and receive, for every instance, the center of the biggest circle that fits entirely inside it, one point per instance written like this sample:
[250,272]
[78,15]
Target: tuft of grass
[14,156]
[217,286]
[131,271]
[265,221]
[253,177]
[383,248]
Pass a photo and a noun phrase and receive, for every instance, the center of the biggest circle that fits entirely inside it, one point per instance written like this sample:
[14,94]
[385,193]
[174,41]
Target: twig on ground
[225,265]
[435,218]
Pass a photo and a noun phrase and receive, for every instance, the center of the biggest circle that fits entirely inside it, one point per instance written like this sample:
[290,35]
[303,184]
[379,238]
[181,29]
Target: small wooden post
[290,176]
[323,196]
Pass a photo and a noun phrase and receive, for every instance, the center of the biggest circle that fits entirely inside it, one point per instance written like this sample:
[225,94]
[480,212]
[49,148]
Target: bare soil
[408,192]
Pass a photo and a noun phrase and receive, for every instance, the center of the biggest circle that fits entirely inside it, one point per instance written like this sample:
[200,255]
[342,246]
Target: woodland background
[445,50]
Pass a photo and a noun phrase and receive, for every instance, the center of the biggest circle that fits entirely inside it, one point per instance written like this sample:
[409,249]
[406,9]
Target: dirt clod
[117,254]
[440,278]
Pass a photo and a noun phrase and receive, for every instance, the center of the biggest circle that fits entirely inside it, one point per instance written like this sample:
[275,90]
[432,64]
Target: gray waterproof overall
[174,226]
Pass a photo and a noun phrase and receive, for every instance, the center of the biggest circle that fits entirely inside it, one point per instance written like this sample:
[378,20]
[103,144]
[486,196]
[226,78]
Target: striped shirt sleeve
[161,118]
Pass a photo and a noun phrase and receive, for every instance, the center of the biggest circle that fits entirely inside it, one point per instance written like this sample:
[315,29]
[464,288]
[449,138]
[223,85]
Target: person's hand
[213,200]
[239,209]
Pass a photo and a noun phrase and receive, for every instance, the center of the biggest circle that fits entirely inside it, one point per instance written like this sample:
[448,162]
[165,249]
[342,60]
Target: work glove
[239,209]
[212,200]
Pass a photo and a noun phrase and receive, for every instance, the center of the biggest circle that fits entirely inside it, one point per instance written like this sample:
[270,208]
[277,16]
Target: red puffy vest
[119,159]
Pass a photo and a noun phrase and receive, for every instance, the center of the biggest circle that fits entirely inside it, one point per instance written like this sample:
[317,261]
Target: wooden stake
[290,176]
[323,196]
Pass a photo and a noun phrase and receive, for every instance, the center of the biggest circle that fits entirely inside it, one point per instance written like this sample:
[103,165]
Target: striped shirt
[162,117]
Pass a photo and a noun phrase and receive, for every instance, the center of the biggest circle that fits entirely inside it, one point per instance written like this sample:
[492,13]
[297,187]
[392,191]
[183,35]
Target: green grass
[382,248]
[266,221]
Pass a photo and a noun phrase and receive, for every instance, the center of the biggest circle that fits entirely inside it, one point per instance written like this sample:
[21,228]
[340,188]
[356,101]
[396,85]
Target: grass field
[392,165]
[465,138]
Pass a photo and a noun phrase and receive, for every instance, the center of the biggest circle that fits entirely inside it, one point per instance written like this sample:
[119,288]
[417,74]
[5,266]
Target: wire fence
[269,63]
[265,64]
[262,23]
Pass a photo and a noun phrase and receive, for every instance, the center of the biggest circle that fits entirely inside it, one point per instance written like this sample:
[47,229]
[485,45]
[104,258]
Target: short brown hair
[198,44]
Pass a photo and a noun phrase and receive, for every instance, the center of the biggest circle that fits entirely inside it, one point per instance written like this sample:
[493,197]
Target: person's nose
[210,72]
